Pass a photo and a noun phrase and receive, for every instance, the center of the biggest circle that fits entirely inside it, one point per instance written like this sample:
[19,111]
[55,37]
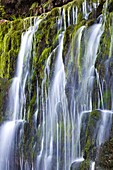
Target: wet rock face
[60,2]
[105,157]
[75,166]
[24,8]
[88,142]
[4,86]
[16,8]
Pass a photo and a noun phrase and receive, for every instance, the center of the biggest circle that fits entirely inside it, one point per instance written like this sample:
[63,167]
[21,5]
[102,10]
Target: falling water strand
[7,131]
[100,96]
[90,55]
[56,94]
[92,166]
[69,16]
[85,9]
[37,110]
[46,76]
[73,14]
[76,44]
[76,13]
[64,18]
[17,91]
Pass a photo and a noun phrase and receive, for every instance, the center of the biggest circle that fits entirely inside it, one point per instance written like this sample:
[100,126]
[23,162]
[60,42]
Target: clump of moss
[10,39]
[4,87]
[2,12]
[91,134]
[85,165]
[105,157]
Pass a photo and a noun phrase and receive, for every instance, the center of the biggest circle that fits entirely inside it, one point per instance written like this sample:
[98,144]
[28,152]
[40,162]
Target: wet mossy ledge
[10,38]
[46,36]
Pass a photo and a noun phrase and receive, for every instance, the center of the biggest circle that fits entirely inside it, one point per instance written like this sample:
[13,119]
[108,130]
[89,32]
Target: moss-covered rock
[105,156]
[4,87]
[85,165]
[91,134]
[10,39]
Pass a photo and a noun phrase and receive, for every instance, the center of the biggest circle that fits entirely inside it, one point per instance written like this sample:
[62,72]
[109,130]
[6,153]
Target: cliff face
[11,9]
[75,16]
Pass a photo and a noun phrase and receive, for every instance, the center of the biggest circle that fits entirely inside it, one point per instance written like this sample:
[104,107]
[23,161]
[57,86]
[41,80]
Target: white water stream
[60,129]
[17,98]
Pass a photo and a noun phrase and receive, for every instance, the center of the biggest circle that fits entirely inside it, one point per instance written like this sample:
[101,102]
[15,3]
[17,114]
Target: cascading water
[55,99]
[64,99]
[16,99]
[6,133]
[17,92]
[82,101]
[56,113]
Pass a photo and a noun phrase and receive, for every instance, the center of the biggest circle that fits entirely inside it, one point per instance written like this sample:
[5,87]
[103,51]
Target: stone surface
[105,157]
[12,9]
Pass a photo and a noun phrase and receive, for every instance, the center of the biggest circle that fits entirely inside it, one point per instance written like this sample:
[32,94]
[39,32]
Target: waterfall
[52,120]
[6,133]
[65,97]
[82,101]
[92,166]
[61,123]
[17,100]
[17,92]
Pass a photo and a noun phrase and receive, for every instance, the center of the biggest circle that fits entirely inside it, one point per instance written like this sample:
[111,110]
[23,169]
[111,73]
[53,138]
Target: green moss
[2,12]
[67,40]
[44,54]
[39,63]
[31,108]
[95,114]
[85,165]
[105,157]
[4,65]
[90,22]
[34,5]
[26,145]
[46,32]
[55,12]
[91,134]
[13,53]
[10,47]
[107,98]
[104,47]
[4,87]
[46,5]
[10,38]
